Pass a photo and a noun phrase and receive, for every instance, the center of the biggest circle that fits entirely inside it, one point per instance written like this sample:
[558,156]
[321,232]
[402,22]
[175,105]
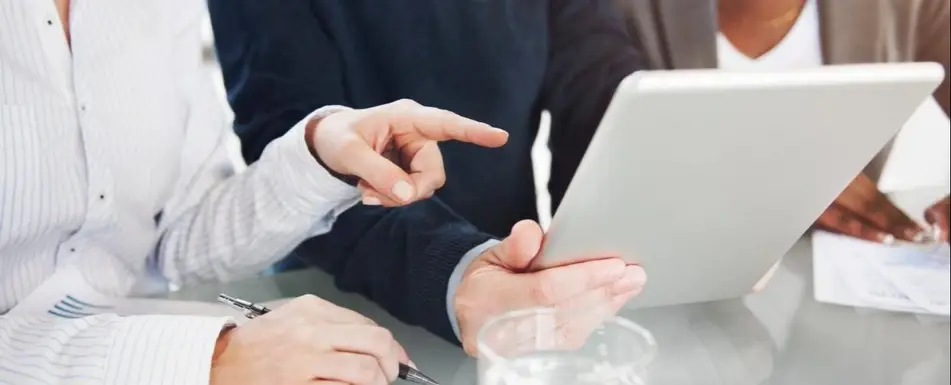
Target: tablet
[707,177]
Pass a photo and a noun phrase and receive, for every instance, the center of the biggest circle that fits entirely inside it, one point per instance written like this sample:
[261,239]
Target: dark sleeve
[590,53]
[278,66]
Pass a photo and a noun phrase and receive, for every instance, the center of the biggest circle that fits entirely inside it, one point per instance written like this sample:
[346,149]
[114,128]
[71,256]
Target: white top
[800,48]
[113,164]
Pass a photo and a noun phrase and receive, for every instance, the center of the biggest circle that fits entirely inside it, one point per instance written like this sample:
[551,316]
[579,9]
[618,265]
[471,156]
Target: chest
[486,54]
[104,116]
[793,44]
[682,33]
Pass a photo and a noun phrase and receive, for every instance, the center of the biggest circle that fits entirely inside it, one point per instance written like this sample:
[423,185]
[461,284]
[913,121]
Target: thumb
[380,173]
[517,251]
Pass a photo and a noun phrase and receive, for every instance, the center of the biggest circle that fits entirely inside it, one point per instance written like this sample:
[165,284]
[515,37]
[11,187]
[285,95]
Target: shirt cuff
[163,350]
[456,279]
[308,184]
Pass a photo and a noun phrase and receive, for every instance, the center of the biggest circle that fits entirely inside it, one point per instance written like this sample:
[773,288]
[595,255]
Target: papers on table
[852,272]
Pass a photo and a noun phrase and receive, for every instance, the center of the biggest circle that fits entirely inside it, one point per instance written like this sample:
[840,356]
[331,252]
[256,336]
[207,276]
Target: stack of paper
[852,272]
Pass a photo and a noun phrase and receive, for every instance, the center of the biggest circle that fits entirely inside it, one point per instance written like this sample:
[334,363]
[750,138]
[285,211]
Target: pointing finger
[437,124]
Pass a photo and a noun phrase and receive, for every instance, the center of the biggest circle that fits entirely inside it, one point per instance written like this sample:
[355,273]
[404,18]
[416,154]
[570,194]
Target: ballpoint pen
[252,310]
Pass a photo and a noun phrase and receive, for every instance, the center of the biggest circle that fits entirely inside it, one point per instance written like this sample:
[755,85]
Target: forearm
[108,349]
[248,221]
[400,258]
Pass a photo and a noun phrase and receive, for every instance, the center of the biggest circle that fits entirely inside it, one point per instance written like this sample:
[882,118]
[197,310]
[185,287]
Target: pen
[252,310]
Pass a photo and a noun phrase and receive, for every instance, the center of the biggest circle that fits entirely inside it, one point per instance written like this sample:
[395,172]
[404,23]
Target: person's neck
[62,9]
[757,9]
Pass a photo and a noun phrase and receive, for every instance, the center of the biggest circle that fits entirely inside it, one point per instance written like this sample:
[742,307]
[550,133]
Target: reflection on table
[779,336]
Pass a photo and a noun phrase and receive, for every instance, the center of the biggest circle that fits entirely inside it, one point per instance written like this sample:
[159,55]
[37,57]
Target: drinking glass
[563,347]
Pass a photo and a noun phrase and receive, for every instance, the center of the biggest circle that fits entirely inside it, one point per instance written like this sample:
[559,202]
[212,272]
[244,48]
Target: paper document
[852,272]
[919,157]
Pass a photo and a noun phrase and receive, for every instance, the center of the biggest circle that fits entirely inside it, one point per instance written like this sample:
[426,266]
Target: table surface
[779,336]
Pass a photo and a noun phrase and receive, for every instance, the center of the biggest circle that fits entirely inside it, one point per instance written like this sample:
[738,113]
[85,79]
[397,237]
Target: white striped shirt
[114,167]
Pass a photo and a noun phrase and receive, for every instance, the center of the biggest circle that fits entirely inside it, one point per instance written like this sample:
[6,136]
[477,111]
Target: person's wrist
[310,137]
[456,278]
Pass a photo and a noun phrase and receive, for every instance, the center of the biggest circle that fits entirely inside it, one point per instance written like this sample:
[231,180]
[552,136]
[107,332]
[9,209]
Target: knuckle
[366,370]
[405,103]
[355,317]
[439,179]
[380,335]
[309,300]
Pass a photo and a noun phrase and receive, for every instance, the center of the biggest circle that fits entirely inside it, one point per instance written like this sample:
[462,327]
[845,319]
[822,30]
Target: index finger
[550,286]
[441,125]
[863,199]
[319,308]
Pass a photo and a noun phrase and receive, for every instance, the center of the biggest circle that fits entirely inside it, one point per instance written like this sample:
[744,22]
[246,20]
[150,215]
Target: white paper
[862,274]
[921,153]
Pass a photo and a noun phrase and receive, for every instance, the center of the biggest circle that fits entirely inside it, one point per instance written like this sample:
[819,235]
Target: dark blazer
[498,61]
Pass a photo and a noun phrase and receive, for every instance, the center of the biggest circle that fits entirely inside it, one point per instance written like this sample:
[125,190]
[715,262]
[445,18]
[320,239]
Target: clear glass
[563,347]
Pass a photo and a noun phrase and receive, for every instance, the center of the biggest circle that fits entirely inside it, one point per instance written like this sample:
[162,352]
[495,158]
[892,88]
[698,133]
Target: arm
[401,258]
[218,224]
[590,54]
[108,350]
[933,43]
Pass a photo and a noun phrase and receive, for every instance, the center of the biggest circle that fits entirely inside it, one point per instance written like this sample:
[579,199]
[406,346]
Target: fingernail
[922,236]
[412,364]
[887,239]
[371,201]
[634,278]
[403,191]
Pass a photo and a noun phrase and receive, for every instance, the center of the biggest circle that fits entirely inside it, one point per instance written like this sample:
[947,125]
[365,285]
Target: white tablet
[707,177]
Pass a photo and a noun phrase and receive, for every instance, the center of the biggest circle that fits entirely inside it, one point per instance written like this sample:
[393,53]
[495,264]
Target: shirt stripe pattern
[114,167]
[70,307]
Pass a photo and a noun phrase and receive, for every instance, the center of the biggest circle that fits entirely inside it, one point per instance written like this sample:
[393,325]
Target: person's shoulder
[909,10]
[166,15]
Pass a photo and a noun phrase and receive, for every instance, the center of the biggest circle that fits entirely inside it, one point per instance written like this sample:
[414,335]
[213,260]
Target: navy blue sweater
[498,61]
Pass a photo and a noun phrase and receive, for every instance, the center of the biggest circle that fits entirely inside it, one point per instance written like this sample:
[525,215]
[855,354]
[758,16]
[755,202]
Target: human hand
[861,211]
[499,281]
[307,341]
[937,215]
[393,149]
